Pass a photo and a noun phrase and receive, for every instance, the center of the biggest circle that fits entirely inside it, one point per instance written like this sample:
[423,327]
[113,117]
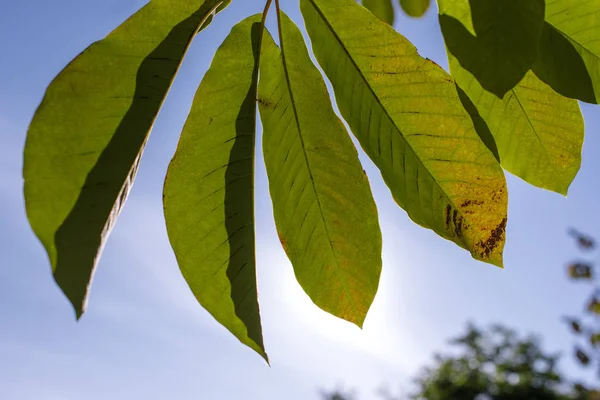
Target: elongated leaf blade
[415,8]
[407,115]
[381,8]
[324,211]
[496,41]
[538,133]
[208,193]
[569,54]
[88,134]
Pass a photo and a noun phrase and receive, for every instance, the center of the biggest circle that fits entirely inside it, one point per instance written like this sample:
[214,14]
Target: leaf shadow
[495,68]
[561,67]
[81,237]
[481,127]
[239,208]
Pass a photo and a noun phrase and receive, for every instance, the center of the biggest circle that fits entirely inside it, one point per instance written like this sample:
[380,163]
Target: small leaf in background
[381,8]
[594,305]
[209,188]
[569,52]
[87,136]
[582,356]
[574,324]
[406,113]
[415,8]
[580,270]
[496,41]
[537,133]
[595,339]
[583,241]
[324,211]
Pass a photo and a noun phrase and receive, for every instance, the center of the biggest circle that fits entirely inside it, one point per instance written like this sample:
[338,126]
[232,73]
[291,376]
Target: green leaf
[208,193]
[538,133]
[496,41]
[407,116]
[87,136]
[415,8]
[324,211]
[569,53]
[381,8]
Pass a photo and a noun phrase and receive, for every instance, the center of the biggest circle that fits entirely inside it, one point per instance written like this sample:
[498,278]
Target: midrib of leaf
[385,112]
[537,135]
[310,174]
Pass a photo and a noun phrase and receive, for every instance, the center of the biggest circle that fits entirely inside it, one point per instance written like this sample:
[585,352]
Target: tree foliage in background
[586,326]
[493,364]
[440,140]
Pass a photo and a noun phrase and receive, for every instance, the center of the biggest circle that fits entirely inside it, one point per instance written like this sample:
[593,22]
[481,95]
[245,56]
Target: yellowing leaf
[208,194]
[407,115]
[324,211]
[88,134]
[538,133]
[496,41]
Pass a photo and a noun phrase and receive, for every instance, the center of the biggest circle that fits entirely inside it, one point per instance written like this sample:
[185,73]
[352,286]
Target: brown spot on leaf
[496,236]
[265,102]
[282,240]
[458,227]
[467,203]
[448,209]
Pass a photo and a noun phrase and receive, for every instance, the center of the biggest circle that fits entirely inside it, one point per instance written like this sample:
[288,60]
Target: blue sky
[145,337]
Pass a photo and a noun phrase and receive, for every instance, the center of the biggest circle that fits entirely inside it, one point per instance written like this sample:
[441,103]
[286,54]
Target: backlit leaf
[569,53]
[208,193]
[496,41]
[407,115]
[382,8]
[538,133]
[88,134]
[415,8]
[324,211]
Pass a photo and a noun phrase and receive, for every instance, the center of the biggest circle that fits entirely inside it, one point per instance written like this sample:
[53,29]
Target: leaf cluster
[440,140]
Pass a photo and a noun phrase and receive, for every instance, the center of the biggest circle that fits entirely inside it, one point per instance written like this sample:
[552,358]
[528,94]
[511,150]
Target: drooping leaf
[538,133]
[407,115]
[496,41]
[382,8]
[569,52]
[208,193]
[595,339]
[88,134]
[324,210]
[415,8]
